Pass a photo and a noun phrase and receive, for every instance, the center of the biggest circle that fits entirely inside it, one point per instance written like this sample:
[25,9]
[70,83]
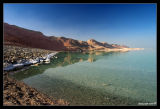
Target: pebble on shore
[15,57]
[16,92]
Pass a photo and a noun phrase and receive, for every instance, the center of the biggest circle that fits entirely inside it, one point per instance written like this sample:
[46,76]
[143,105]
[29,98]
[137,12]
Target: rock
[107,84]
[19,93]
[22,56]
[8,103]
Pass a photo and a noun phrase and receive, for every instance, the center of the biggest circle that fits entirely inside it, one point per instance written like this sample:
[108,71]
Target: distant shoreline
[118,49]
[46,57]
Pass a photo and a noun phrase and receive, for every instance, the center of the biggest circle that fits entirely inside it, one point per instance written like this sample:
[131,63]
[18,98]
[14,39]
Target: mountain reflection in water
[64,59]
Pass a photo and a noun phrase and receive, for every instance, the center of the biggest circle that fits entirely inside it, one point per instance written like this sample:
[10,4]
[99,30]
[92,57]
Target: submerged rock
[107,84]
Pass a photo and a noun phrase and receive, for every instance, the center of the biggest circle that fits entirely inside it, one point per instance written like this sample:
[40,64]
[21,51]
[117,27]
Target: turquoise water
[97,78]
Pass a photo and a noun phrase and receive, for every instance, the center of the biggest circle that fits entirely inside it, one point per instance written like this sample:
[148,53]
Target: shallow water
[97,78]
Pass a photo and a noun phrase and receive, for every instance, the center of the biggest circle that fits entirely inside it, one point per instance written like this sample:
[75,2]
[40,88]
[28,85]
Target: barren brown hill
[14,35]
[95,44]
[71,44]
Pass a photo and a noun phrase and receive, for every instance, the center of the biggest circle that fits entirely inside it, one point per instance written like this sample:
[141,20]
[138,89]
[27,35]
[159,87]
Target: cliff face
[102,45]
[14,35]
[99,45]
[71,44]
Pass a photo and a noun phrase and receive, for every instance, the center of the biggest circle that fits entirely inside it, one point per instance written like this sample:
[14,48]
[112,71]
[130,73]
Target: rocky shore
[16,92]
[17,57]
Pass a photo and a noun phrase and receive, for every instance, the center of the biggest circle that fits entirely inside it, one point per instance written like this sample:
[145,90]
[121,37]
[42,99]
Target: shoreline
[118,49]
[45,59]
[19,57]
[17,93]
[12,96]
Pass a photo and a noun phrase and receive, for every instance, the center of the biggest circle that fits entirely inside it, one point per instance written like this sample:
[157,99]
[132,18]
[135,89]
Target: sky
[133,25]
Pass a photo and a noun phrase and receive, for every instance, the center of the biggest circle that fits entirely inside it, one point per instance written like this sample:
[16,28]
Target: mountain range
[18,36]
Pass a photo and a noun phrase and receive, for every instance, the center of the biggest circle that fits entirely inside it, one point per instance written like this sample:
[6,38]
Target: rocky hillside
[14,35]
[71,44]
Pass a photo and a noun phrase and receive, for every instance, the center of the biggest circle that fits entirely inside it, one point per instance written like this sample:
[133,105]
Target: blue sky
[127,24]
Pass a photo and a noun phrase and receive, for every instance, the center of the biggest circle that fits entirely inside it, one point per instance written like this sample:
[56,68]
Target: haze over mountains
[17,36]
